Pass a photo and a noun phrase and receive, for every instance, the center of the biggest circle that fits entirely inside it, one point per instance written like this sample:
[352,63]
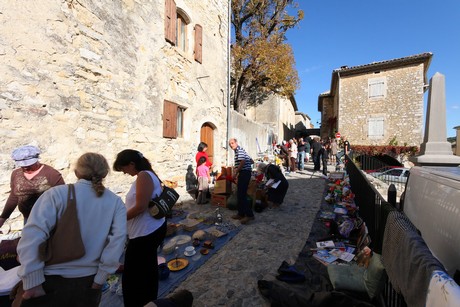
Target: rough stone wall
[86,75]
[278,114]
[326,113]
[402,108]
[457,143]
[246,131]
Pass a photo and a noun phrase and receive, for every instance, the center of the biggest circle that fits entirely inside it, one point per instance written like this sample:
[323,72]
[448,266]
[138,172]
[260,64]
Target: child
[204,179]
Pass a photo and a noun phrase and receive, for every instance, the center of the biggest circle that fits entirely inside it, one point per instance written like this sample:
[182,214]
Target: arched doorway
[207,136]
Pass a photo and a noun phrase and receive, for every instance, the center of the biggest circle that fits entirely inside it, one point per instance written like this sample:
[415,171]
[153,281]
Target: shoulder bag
[162,205]
[65,242]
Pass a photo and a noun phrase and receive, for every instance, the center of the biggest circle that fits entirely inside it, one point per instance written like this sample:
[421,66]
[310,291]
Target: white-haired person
[28,181]
[102,222]
[277,187]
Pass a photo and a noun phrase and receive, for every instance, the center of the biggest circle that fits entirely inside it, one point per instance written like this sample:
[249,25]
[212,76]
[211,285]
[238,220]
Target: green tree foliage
[262,63]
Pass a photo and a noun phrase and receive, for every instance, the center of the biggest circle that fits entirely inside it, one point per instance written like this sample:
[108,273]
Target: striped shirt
[241,154]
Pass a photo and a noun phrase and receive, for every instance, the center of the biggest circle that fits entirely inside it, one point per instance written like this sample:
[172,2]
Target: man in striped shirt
[242,172]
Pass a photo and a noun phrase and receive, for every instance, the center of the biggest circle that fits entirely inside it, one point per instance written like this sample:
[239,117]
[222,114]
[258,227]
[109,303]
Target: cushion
[356,278]
[374,276]
[347,277]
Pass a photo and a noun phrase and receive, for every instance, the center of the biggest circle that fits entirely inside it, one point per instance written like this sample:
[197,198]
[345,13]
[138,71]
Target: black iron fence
[385,171]
[373,209]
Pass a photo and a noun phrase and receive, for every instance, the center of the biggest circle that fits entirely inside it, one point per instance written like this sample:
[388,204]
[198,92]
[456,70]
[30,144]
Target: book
[346,256]
[340,210]
[274,185]
[324,257]
[327,215]
[324,244]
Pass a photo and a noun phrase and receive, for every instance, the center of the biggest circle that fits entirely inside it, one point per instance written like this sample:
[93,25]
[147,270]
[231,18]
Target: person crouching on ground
[102,221]
[275,194]
[204,179]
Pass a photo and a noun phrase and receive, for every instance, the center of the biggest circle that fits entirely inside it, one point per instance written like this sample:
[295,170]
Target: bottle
[218,217]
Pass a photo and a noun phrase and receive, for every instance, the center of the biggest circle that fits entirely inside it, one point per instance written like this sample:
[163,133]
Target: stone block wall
[401,109]
[87,75]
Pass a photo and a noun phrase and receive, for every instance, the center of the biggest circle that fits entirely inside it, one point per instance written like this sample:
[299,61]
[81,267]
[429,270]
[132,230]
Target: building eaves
[320,99]
[294,104]
[382,65]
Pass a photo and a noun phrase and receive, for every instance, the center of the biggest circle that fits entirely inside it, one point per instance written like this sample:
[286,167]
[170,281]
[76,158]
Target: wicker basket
[171,229]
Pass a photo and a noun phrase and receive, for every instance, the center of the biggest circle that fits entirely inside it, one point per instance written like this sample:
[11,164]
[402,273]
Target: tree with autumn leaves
[262,63]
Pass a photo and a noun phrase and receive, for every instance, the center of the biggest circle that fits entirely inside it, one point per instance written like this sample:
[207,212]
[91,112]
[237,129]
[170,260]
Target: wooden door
[207,136]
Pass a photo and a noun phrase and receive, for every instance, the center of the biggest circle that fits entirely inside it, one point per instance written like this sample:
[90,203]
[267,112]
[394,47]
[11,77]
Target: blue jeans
[301,160]
[339,155]
[244,208]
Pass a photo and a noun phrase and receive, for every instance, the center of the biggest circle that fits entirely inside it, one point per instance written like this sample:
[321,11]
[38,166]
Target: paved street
[230,277]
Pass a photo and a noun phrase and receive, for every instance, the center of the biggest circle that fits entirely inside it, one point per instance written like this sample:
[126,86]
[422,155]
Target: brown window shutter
[170,21]
[199,43]
[170,119]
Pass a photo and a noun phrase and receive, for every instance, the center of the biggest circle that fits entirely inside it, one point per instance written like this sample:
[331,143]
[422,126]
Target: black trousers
[140,272]
[68,292]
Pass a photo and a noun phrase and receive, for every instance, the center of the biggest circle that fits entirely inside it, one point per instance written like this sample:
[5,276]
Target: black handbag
[162,205]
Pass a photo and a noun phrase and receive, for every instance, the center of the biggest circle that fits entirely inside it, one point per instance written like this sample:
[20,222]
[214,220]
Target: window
[377,88]
[176,25]
[181,37]
[173,120]
[375,128]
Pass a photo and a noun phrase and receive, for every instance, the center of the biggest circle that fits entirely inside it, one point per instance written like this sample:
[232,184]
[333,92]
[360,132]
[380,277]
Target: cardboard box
[252,187]
[227,171]
[219,200]
[223,187]
[336,175]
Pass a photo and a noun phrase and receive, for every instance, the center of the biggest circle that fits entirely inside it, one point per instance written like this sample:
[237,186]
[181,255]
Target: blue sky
[335,33]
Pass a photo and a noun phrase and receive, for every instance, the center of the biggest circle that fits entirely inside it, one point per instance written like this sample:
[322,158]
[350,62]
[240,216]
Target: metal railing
[373,209]
[383,172]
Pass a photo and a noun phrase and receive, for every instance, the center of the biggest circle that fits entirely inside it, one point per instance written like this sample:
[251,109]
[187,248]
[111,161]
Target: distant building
[278,113]
[377,103]
[455,147]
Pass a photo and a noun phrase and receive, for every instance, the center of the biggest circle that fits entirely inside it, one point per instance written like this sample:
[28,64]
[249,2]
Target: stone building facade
[108,75]
[278,113]
[377,103]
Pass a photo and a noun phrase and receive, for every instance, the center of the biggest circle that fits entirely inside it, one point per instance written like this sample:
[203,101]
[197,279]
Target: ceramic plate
[181,239]
[190,255]
[177,264]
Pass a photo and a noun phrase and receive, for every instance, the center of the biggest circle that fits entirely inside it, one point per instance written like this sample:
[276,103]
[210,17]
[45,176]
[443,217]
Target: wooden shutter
[198,43]
[170,119]
[376,127]
[377,88]
[170,21]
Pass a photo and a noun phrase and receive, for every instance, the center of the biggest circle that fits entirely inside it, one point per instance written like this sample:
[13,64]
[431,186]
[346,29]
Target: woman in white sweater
[102,220]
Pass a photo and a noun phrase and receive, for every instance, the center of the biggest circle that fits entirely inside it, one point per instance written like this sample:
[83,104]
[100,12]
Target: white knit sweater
[103,230]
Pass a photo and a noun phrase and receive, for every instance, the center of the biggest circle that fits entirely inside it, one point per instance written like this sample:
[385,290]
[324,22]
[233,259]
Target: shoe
[237,217]
[181,298]
[246,219]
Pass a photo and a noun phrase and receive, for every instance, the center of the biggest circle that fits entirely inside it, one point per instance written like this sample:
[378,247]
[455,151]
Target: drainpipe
[338,102]
[228,79]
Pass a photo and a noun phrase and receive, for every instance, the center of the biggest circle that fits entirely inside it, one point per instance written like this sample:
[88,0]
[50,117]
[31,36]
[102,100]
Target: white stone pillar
[435,150]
